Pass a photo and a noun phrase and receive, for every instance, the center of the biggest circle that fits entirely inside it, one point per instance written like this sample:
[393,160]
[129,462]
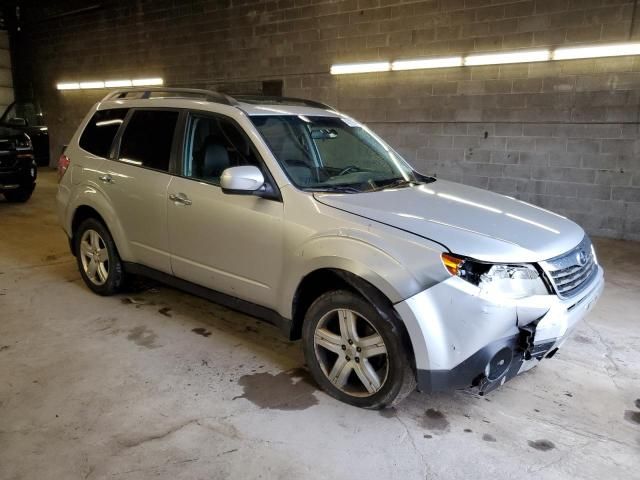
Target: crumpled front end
[463,336]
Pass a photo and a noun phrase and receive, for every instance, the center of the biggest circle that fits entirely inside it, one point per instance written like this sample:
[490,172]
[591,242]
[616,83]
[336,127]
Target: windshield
[333,154]
[23,114]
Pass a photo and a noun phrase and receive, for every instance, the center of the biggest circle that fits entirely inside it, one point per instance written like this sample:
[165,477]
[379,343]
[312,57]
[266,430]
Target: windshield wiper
[334,188]
[400,182]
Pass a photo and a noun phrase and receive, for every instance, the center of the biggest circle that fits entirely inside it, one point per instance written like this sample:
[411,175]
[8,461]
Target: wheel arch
[99,208]
[323,280]
[80,214]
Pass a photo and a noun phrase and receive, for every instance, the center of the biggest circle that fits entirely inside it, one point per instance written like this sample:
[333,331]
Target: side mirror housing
[244,180]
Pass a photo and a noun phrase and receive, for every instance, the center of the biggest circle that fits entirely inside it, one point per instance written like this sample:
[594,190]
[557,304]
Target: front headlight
[23,143]
[506,280]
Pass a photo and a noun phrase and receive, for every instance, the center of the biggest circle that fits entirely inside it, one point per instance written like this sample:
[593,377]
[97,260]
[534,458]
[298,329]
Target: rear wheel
[20,194]
[97,257]
[357,352]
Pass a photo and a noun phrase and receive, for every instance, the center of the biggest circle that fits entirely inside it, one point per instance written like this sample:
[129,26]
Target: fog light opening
[499,364]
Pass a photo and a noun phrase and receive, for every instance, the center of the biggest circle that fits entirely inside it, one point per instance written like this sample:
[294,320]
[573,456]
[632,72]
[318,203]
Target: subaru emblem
[581,258]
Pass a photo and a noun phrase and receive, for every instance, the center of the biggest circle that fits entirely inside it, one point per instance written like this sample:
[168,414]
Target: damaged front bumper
[462,338]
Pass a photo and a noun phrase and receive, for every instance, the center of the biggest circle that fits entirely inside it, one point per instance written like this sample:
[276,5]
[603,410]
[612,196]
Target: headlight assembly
[23,143]
[506,280]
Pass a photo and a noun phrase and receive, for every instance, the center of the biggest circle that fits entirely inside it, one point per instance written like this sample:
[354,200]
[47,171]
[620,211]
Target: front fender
[355,255]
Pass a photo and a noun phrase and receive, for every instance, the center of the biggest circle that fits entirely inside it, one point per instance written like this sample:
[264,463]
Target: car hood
[466,220]
[8,132]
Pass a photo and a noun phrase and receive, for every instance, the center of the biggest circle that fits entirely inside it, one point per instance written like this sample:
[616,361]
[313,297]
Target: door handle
[180,198]
[106,178]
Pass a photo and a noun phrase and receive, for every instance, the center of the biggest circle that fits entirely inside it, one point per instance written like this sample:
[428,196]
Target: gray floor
[159,384]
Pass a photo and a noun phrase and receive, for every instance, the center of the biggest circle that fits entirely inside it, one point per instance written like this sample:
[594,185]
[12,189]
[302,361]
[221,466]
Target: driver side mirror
[17,122]
[244,180]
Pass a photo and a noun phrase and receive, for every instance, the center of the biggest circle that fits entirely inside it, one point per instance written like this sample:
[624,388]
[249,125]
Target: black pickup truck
[24,144]
[18,168]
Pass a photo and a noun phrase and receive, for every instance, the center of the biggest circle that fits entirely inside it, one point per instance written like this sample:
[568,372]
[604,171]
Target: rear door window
[99,133]
[148,138]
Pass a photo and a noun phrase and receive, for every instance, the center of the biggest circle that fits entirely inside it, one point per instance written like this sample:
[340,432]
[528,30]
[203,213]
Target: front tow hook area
[527,335]
[506,363]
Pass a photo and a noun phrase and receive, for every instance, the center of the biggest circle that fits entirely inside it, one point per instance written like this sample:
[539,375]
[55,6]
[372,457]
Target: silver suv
[298,214]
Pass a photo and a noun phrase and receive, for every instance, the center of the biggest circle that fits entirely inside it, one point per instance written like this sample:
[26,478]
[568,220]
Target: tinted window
[27,111]
[213,145]
[101,130]
[148,137]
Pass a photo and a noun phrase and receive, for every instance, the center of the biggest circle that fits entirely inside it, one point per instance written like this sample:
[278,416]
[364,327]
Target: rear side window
[148,137]
[101,130]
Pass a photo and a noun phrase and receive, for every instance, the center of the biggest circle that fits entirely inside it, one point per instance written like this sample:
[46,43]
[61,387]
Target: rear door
[95,146]
[137,183]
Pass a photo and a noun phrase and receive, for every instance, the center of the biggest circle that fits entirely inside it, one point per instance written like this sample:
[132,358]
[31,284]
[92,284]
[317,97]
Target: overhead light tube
[89,85]
[595,51]
[144,82]
[360,68]
[508,57]
[420,63]
[117,83]
[68,86]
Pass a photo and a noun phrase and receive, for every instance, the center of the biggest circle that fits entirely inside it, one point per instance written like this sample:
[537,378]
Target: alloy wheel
[351,352]
[94,256]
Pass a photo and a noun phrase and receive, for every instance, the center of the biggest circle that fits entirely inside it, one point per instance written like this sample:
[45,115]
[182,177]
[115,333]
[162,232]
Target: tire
[329,353]
[20,194]
[107,278]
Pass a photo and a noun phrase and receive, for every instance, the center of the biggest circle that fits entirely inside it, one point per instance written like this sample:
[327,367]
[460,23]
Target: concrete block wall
[562,135]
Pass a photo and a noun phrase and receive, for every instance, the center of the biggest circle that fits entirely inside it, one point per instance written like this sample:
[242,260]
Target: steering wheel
[348,169]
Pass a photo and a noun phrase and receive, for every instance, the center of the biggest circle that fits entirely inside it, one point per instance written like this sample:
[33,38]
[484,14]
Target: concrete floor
[165,385]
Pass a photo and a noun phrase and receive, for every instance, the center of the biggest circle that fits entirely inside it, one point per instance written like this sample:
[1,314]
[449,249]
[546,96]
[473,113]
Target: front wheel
[97,257]
[356,352]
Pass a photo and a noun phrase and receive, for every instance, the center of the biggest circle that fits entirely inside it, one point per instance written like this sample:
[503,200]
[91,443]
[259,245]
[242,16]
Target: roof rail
[145,93]
[265,99]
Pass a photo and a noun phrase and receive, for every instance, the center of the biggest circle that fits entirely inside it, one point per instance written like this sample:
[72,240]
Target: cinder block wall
[562,135]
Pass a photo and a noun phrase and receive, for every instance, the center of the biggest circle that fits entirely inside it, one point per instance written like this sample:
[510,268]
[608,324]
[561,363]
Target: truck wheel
[20,194]
[97,257]
[357,352]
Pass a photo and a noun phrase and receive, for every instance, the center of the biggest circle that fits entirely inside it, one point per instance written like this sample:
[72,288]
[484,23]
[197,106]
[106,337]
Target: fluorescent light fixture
[88,85]
[508,57]
[143,82]
[68,86]
[140,82]
[117,83]
[613,50]
[496,58]
[360,68]
[416,64]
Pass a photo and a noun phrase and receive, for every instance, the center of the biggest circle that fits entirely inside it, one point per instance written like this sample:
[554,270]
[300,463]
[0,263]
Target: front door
[229,243]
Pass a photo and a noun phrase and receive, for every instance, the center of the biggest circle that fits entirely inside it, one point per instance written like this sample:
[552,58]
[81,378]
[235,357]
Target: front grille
[7,162]
[6,145]
[7,155]
[571,273]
